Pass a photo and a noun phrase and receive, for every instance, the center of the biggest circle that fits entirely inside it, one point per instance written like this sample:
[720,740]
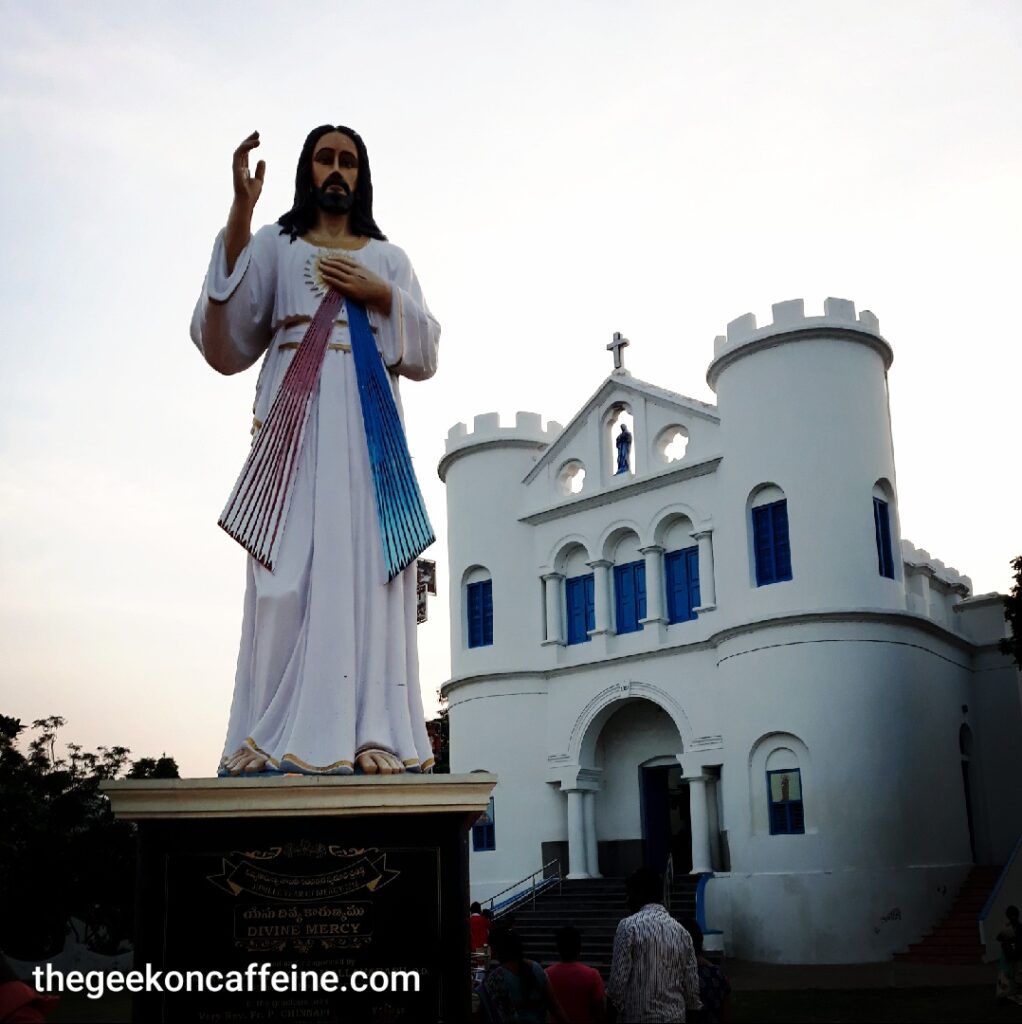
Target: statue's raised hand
[247,188]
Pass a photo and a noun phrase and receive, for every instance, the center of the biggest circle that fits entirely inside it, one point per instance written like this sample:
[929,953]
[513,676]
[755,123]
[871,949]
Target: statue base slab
[365,877]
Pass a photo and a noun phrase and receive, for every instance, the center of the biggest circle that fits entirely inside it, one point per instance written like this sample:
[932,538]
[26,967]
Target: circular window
[672,443]
[571,477]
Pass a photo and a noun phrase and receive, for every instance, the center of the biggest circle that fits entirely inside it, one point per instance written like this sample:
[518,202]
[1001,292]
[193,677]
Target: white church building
[713,643]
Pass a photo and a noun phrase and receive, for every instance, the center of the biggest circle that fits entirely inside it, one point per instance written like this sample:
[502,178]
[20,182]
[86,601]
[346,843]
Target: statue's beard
[335,201]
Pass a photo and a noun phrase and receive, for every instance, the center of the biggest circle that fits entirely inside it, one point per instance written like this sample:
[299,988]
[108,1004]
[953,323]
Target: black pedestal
[269,882]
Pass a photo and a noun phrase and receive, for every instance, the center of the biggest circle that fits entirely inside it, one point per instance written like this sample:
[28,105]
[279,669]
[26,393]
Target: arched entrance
[642,812]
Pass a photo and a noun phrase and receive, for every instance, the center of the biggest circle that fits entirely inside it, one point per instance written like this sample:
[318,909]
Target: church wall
[879,711]
[527,811]
[854,916]
[995,718]
[880,718]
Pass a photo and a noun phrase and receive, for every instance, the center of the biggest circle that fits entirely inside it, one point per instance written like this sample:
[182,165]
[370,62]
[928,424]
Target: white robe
[328,663]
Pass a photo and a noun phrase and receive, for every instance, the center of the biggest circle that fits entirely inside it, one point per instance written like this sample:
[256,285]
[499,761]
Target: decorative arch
[563,548]
[665,517]
[555,554]
[614,534]
[581,741]
[764,494]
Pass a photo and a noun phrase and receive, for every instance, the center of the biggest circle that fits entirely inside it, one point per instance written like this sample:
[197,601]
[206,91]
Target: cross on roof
[617,347]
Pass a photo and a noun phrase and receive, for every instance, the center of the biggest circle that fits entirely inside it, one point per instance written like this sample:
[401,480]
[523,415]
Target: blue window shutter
[475,616]
[590,602]
[487,589]
[882,529]
[692,558]
[630,595]
[782,547]
[677,591]
[575,600]
[480,613]
[771,546]
[624,598]
[763,545]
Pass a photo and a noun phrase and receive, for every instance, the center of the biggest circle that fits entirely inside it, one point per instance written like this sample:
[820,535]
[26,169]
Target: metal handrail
[668,880]
[545,883]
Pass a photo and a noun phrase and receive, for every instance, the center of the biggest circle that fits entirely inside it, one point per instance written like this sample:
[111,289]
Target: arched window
[681,571]
[882,507]
[579,595]
[478,608]
[620,440]
[778,764]
[629,585]
[771,547]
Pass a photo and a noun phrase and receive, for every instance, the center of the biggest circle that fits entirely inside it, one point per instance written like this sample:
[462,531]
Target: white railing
[530,893]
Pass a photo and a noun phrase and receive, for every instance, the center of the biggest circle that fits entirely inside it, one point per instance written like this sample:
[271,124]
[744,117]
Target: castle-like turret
[805,419]
[483,470]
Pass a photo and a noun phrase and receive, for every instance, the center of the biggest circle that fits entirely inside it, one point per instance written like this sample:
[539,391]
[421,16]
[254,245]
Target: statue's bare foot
[245,761]
[378,762]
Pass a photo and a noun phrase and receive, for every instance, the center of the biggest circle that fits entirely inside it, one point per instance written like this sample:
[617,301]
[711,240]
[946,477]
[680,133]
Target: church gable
[628,430]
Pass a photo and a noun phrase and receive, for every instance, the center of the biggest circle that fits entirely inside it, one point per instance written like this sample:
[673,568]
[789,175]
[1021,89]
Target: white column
[601,591]
[554,618]
[707,587]
[589,822]
[576,835]
[654,555]
[700,818]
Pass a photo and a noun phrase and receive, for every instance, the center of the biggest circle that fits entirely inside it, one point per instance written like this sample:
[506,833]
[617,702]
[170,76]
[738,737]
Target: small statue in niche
[624,450]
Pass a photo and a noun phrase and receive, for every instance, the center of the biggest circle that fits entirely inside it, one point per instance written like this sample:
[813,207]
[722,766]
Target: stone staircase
[594,906]
[955,940]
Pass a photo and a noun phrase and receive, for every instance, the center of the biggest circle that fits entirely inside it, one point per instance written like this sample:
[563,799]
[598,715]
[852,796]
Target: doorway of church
[666,821]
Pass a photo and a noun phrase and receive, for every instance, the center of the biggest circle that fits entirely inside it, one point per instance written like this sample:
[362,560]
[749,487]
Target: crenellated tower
[805,420]
[483,470]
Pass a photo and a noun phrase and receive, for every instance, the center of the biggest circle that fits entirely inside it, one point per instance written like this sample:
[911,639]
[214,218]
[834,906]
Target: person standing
[654,977]
[1009,968]
[479,927]
[577,987]
[714,988]
[516,990]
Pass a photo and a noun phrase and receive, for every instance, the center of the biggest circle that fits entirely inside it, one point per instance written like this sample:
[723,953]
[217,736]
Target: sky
[557,171]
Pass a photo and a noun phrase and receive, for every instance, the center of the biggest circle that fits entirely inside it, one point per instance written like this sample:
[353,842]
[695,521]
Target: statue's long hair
[302,216]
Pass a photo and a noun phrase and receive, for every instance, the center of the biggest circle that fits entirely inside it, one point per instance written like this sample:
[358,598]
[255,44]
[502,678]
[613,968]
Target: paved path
[749,976]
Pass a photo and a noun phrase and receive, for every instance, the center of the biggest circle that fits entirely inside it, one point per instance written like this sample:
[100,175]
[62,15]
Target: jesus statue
[327,679]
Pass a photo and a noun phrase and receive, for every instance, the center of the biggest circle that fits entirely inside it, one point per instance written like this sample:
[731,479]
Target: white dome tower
[805,418]
[483,470]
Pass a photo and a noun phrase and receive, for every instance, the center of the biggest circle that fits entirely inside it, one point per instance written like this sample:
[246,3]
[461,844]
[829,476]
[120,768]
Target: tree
[1013,615]
[62,853]
[440,737]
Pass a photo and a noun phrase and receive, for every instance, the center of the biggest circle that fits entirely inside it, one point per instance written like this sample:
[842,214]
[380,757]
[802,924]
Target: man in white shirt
[653,976]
